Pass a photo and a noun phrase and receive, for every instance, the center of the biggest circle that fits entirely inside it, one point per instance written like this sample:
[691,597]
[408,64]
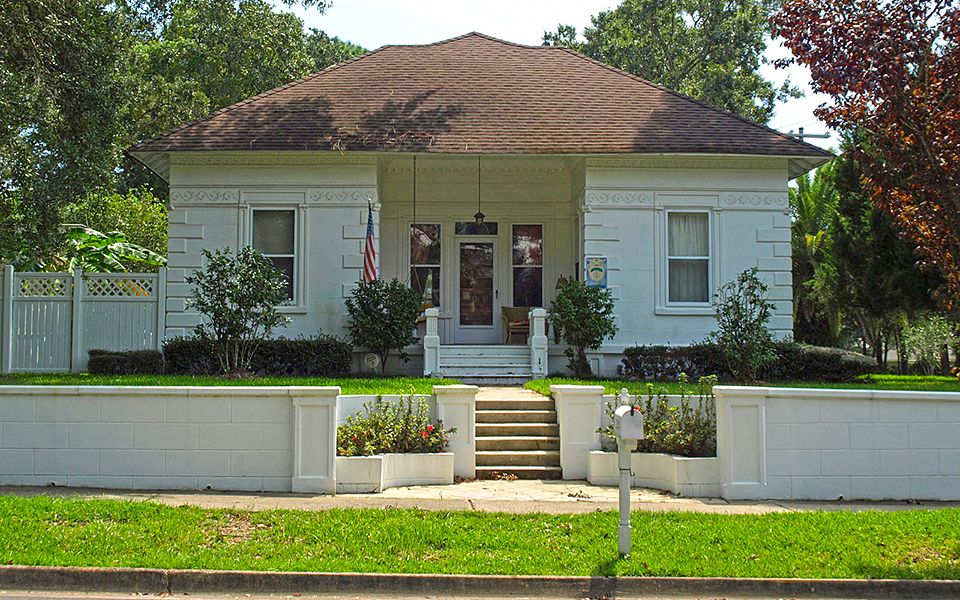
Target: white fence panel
[51,320]
[42,321]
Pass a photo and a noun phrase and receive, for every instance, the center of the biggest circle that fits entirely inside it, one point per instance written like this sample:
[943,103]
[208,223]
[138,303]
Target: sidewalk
[554,497]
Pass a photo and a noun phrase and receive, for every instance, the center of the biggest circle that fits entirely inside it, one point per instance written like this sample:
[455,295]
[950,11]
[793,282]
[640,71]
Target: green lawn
[108,533]
[348,385]
[866,382]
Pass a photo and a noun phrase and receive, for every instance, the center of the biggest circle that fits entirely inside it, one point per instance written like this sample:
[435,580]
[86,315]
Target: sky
[375,23]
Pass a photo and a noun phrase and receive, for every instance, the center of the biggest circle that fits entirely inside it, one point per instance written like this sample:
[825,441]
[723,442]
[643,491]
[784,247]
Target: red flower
[353,439]
[430,428]
[424,433]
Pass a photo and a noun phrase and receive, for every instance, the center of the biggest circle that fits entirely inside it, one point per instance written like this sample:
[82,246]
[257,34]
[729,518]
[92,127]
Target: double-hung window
[275,235]
[425,262]
[688,257]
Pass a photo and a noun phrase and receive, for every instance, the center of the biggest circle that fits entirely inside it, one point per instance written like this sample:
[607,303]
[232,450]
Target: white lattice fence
[51,320]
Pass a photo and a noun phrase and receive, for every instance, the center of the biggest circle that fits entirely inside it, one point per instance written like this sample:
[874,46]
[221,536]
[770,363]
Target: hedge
[125,362]
[317,356]
[795,362]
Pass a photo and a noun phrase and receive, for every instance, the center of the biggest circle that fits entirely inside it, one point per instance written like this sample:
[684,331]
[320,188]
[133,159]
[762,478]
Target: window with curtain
[275,235]
[688,257]
[425,262]
[528,265]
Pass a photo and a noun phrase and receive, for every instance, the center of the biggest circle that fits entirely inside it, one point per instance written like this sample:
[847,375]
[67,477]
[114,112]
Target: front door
[477,303]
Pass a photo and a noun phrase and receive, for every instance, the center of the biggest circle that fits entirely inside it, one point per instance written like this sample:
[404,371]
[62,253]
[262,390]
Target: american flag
[370,254]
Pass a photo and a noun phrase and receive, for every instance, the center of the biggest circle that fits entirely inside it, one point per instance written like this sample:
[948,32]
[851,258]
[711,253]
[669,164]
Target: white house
[568,159]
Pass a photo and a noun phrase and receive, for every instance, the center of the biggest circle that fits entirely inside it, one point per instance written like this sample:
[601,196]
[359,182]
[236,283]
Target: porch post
[431,344]
[538,343]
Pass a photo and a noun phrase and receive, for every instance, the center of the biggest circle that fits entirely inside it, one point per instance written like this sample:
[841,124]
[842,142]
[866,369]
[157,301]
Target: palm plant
[813,206]
[99,252]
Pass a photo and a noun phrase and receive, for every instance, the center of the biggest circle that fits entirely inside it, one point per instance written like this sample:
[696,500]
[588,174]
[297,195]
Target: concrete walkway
[555,497]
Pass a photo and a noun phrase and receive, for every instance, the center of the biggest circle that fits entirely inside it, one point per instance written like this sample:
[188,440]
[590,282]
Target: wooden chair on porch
[516,319]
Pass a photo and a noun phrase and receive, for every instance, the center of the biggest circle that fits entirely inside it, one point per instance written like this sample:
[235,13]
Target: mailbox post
[628,427]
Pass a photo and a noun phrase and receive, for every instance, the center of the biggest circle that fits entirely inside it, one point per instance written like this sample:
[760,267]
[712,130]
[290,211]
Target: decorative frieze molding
[686,162]
[204,196]
[756,199]
[472,171]
[616,198]
[341,196]
[270,159]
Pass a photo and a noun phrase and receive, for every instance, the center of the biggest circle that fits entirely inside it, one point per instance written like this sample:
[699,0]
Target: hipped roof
[477,94]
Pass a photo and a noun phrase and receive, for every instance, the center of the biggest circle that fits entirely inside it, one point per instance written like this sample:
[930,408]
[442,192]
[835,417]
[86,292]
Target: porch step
[518,458]
[516,416]
[519,472]
[485,361]
[456,372]
[517,429]
[476,350]
[481,379]
[545,404]
[517,442]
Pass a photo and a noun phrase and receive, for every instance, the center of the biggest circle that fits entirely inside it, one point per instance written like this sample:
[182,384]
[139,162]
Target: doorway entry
[478,302]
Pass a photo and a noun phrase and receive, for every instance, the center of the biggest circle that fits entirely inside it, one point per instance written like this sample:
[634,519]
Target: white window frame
[298,302]
[662,244]
[541,266]
[442,225]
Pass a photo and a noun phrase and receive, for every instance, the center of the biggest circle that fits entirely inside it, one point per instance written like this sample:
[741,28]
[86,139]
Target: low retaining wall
[785,443]
[221,438]
[366,474]
[827,444]
[695,477]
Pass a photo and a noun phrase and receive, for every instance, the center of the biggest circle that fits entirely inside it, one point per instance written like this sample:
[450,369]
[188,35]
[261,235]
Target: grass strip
[913,544]
[348,385]
[914,383]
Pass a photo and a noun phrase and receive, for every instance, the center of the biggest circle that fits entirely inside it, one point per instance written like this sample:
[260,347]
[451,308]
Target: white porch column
[315,439]
[578,413]
[456,407]
[431,344]
[538,342]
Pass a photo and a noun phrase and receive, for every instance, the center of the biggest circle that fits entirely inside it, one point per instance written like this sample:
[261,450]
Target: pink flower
[424,433]
[430,428]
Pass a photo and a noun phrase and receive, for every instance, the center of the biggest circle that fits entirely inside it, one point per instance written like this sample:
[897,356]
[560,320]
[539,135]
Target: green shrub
[392,427]
[237,296]
[792,362]
[679,430]
[125,362]
[317,356]
[742,313]
[383,318]
[927,339]
[584,317]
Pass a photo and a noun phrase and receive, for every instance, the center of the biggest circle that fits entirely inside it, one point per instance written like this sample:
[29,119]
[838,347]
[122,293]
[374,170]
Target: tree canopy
[81,80]
[892,71]
[711,50]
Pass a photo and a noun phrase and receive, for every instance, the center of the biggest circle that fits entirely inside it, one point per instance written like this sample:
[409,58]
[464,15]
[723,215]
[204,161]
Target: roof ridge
[690,99]
[252,99]
[462,37]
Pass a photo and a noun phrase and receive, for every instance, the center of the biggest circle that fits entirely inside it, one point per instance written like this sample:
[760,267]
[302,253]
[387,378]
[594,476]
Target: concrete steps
[517,439]
[486,365]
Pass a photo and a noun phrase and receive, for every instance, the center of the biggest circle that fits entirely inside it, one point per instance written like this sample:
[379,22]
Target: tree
[892,70]
[138,214]
[876,278]
[584,317]
[237,296]
[813,206]
[383,317]
[711,50]
[742,312]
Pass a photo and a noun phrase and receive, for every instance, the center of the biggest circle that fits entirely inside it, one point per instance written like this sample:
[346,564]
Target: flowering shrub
[680,430]
[392,427]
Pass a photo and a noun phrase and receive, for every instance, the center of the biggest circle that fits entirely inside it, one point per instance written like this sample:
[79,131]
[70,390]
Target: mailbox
[628,423]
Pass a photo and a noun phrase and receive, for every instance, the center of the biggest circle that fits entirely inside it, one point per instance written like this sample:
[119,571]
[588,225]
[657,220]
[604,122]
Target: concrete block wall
[625,204]
[827,444]
[148,438]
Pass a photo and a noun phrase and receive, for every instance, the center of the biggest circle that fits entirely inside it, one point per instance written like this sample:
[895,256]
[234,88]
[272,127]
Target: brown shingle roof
[475,94]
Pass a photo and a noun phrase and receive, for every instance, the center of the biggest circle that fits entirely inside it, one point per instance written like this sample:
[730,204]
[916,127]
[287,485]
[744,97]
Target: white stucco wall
[613,207]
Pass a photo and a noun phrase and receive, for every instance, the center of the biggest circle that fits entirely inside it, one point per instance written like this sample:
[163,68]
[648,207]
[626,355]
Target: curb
[170,581]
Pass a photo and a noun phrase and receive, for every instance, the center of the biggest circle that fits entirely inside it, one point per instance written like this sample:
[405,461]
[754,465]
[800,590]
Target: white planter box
[694,477]
[372,474]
